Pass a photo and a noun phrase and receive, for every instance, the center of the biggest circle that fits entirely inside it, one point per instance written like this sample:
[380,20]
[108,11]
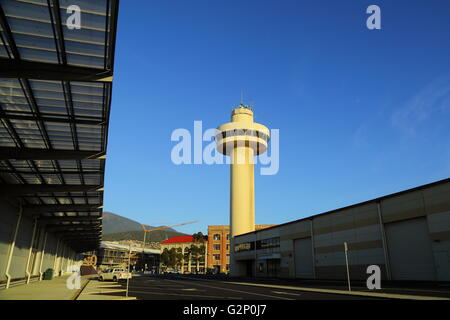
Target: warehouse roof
[124,247]
[55,98]
[376,200]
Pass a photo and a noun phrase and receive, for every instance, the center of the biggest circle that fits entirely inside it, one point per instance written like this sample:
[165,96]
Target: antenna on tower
[242,99]
[250,105]
[244,106]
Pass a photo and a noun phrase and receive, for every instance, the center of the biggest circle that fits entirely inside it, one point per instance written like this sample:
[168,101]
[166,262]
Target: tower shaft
[242,191]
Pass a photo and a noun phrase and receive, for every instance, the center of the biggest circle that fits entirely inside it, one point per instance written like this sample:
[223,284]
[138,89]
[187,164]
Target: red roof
[179,239]
[182,239]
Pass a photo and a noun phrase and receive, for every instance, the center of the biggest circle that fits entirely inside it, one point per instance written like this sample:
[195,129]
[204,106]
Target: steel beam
[27,117]
[64,229]
[69,229]
[22,189]
[14,68]
[41,208]
[7,153]
[61,231]
[69,219]
[79,238]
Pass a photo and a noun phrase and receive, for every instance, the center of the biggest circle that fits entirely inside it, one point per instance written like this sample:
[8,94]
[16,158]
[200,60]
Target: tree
[177,257]
[197,237]
[197,249]
[171,258]
[197,253]
[165,258]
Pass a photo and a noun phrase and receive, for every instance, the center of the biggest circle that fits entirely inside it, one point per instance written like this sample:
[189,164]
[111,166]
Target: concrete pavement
[102,290]
[403,290]
[177,287]
[186,287]
[55,289]
[190,287]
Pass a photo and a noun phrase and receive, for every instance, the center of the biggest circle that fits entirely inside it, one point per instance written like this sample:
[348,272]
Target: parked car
[114,274]
[173,271]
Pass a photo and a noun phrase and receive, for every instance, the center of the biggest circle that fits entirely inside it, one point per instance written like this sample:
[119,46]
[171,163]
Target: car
[114,274]
[173,271]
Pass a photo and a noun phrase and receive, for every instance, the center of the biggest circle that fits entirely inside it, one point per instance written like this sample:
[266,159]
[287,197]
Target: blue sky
[361,113]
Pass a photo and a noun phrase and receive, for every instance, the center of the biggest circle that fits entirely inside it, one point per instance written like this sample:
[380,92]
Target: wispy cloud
[426,105]
[360,136]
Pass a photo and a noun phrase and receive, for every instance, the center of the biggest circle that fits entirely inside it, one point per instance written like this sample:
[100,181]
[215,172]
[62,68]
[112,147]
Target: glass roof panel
[60,135]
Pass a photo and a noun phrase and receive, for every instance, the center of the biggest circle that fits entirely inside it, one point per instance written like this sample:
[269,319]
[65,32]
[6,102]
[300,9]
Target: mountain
[114,224]
[155,236]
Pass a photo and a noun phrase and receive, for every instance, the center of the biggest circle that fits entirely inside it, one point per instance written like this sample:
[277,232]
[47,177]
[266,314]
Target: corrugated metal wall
[410,252]
[304,267]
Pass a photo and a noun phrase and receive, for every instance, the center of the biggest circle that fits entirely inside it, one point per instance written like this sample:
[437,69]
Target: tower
[242,139]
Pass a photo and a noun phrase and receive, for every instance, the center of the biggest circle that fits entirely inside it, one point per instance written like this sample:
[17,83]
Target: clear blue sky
[362,113]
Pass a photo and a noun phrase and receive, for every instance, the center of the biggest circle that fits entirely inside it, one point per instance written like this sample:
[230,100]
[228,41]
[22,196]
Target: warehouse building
[407,234]
[118,255]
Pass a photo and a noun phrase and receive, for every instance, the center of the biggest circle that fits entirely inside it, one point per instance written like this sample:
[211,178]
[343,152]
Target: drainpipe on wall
[68,262]
[206,258]
[42,256]
[11,248]
[313,249]
[383,239]
[56,258]
[27,272]
[256,259]
[61,266]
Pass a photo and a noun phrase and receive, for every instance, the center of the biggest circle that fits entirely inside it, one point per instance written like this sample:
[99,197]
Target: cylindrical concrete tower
[242,139]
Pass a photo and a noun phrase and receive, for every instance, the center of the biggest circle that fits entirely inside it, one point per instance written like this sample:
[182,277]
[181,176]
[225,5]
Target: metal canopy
[55,98]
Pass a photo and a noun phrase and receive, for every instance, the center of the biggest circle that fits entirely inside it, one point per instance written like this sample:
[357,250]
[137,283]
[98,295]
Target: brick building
[218,257]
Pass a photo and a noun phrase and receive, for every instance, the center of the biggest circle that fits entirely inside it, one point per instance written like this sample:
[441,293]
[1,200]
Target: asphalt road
[179,287]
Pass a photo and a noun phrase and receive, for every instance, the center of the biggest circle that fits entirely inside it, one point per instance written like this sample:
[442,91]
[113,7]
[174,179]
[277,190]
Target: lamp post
[143,252]
[129,262]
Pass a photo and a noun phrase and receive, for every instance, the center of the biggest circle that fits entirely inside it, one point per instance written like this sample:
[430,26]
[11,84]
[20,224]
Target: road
[180,287]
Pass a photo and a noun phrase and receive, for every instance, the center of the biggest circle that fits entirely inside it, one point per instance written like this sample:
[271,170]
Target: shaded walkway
[55,289]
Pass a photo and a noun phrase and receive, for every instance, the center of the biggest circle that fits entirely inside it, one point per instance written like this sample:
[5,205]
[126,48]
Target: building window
[216,236]
[228,236]
[216,256]
[216,246]
[228,247]
[268,243]
[245,246]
